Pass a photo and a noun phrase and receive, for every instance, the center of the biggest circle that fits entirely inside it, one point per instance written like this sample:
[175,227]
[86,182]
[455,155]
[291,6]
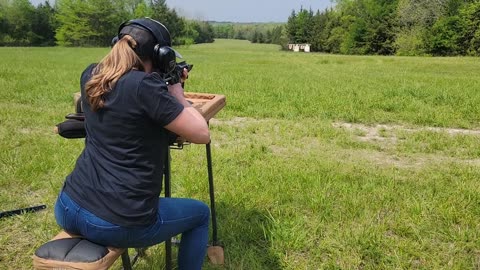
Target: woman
[112,195]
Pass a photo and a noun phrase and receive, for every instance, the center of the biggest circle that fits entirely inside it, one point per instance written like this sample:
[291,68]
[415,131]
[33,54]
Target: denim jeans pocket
[61,212]
[102,232]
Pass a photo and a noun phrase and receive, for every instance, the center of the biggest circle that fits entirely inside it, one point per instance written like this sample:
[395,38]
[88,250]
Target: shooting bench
[67,251]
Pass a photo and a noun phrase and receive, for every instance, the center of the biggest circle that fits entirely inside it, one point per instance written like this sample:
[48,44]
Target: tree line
[255,32]
[382,27]
[89,22]
[390,27]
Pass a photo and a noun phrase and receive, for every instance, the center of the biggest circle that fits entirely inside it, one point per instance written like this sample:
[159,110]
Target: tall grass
[320,161]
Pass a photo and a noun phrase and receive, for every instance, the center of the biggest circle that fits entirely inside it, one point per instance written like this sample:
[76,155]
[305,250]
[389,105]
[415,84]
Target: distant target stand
[299,47]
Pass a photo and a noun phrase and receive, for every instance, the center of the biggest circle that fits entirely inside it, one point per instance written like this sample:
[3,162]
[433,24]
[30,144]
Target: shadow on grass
[245,235]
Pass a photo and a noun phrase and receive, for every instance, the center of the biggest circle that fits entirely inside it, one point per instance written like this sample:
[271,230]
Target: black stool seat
[74,253]
[72,250]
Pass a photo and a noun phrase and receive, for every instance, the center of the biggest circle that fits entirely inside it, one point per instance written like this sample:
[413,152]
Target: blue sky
[243,10]
[239,10]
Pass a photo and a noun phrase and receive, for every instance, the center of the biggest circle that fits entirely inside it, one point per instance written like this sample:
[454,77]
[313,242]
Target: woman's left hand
[184,75]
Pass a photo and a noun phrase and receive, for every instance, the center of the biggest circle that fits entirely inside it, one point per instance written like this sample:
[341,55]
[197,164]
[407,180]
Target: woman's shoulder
[87,73]
[142,81]
[152,81]
[89,69]
[146,76]
[134,78]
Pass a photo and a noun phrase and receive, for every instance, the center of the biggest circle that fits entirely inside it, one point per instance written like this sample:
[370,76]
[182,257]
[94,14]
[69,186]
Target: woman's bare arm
[189,124]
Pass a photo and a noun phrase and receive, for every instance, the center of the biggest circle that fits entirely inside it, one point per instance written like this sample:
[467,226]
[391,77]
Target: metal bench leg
[212,195]
[215,251]
[168,242]
[126,260]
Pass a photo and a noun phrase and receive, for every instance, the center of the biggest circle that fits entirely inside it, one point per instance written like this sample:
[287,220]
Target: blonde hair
[121,59]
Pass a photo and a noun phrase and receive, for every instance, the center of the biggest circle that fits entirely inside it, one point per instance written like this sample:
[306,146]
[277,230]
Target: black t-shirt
[118,176]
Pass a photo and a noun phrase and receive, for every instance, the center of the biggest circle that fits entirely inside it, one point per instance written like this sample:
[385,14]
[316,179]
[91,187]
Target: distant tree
[268,36]
[370,27]
[333,33]
[168,17]
[292,27]
[43,25]
[129,9]
[17,24]
[260,37]
[420,12]
[224,31]
[4,25]
[86,22]
[416,19]
[445,37]
[300,26]
[240,34]
[276,35]
[73,28]
[381,27]
[205,32]
[190,33]
[318,37]
[470,16]
[142,10]
[254,38]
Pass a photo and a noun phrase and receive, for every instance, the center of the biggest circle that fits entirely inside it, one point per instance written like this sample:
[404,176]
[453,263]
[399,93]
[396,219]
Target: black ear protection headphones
[162,55]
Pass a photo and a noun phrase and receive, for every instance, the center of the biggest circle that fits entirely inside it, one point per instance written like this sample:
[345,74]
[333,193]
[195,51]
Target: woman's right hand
[184,75]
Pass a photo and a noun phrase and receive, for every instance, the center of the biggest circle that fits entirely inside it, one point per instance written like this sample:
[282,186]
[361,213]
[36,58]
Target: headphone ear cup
[157,57]
[114,41]
[166,59]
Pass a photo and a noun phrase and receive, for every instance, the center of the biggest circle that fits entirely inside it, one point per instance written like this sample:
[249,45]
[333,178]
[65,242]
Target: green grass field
[320,161]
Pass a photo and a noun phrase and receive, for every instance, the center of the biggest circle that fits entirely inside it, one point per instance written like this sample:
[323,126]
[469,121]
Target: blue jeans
[175,215]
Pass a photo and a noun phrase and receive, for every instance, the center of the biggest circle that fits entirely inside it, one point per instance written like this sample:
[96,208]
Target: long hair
[121,59]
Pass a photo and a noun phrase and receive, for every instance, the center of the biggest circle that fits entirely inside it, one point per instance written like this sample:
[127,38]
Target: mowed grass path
[320,161]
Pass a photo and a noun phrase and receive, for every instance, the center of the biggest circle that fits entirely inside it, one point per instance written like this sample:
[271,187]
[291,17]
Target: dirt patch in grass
[383,141]
[386,137]
[377,133]
[382,132]
[372,157]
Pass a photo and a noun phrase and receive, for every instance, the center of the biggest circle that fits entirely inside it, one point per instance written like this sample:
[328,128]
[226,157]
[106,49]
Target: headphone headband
[153,40]
[162,39]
